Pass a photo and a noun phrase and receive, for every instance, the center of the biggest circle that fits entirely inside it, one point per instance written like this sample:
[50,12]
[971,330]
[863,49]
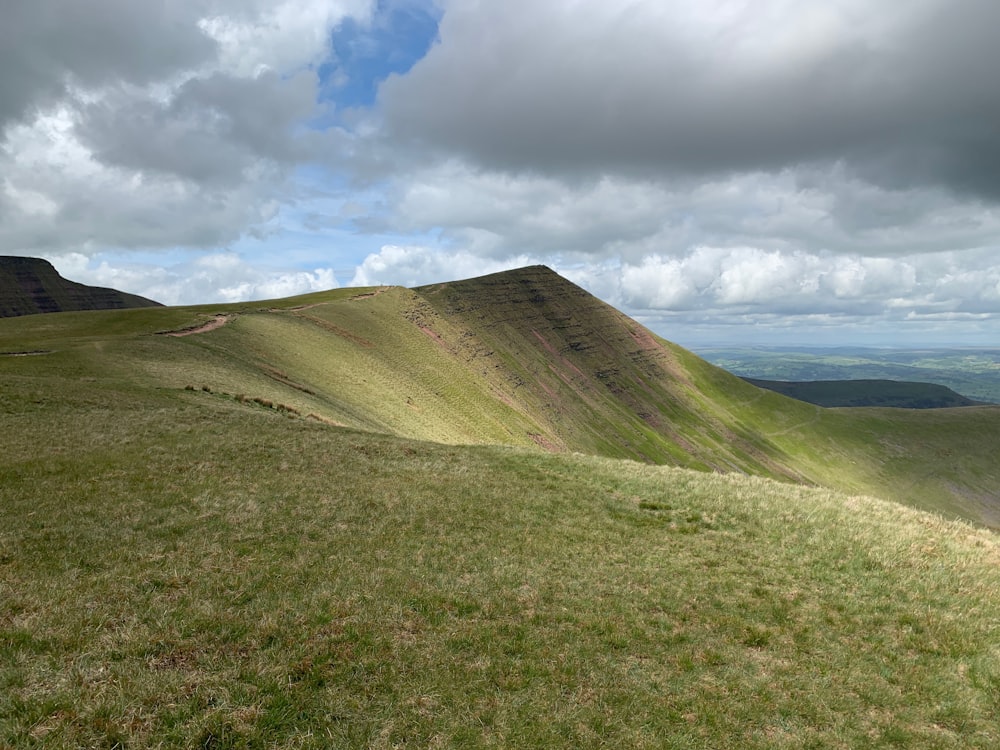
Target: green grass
[181,569]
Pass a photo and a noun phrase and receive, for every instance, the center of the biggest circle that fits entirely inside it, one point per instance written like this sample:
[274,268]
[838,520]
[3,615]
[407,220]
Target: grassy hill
[31,285]
[413,518]
[523,358]
[897,394]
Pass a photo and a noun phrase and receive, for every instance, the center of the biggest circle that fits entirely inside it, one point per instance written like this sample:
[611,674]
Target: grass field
[372,519]
[185,570]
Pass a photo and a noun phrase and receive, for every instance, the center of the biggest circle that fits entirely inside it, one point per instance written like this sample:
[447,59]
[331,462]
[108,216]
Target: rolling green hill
[31,285]
[434,518]
[523,358]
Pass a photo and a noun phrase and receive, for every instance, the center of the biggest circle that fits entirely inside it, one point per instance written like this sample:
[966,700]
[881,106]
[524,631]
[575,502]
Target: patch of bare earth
[217,322]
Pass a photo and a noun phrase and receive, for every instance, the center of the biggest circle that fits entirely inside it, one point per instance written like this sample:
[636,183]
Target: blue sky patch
[399,35]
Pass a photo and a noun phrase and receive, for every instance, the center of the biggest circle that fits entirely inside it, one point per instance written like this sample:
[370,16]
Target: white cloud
[416,265]
[217,277]
[732,282]
[187,139]
[286,36]
[570,87]
[756,162]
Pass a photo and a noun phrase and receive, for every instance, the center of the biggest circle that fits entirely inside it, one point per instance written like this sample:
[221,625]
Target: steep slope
[596,380]
[604,384]
[32,285]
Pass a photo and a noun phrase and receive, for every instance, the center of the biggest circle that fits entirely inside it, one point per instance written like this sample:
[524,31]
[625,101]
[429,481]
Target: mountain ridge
[523,358]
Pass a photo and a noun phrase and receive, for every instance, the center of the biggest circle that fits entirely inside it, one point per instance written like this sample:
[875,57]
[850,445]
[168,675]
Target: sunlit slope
[599,381]
[606,385]
[944,460]
[350,358]
[396,361]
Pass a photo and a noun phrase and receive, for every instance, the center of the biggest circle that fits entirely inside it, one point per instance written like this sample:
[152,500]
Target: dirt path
[217,322]
[368,295]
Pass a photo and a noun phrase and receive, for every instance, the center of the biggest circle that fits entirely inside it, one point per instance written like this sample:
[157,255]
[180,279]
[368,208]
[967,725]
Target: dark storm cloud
[211,130]
[47,47]
[904,94]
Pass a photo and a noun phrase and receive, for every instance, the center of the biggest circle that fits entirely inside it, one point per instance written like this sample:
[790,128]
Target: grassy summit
[378,518]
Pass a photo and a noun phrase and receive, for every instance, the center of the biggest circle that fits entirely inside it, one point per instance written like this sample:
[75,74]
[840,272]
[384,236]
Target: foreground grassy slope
[183,569]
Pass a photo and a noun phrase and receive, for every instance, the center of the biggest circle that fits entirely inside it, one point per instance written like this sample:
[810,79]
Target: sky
[727,172]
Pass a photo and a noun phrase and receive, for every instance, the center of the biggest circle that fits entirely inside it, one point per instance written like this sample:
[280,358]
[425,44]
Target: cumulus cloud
[216,277]
[135,125]
[256,36]
[50,47]
[499,214]
[904,96]
[57,197]
[756,163]
[416,265]
[746,280]
[214,130]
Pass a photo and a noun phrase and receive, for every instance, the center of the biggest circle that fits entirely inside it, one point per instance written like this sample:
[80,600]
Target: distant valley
[973,373]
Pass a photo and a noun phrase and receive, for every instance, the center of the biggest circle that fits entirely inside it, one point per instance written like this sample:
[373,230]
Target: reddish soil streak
[433,334]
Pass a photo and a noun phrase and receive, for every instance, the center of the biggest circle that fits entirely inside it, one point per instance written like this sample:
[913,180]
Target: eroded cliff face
[31,285]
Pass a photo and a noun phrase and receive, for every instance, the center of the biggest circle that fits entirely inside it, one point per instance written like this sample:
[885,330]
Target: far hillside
[891,393]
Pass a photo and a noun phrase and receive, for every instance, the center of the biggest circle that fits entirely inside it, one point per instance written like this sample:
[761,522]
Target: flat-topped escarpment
[32,285]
